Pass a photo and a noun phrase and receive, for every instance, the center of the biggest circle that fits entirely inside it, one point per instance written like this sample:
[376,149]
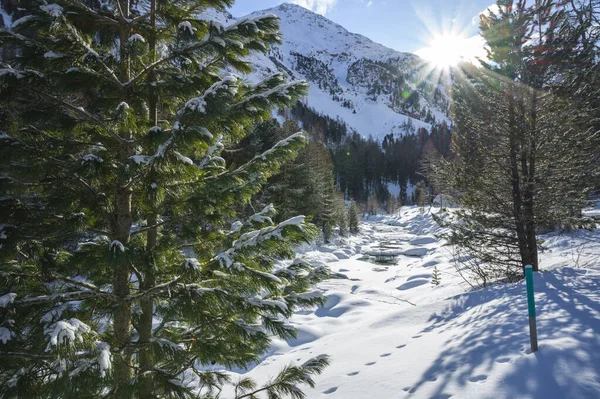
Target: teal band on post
[530,297]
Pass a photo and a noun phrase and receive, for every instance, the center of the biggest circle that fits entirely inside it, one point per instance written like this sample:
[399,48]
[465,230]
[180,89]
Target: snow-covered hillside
[374,89]
[390,334]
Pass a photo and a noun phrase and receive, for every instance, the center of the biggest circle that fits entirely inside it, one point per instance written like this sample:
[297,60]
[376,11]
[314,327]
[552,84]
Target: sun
[447,50]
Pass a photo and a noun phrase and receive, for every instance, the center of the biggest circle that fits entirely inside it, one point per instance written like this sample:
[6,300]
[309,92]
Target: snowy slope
[374,89]
[392,335]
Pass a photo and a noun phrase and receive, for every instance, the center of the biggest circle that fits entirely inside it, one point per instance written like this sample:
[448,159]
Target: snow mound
[390,332]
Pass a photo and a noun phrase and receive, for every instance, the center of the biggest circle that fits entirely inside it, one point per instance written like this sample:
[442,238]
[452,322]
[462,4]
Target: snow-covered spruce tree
[122,275]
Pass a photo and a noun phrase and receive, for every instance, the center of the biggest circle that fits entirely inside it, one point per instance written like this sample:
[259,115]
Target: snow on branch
[54,10]
[20,73]
[136,38]
[5,335]
[104,357]
[116,246]
[281,90]
[65,297]
[160,153]
[273,303]
[228,85]
[264,215]
[250,21]
[66,332]
[7,299]
[186,26]
[283,143]
[226,259]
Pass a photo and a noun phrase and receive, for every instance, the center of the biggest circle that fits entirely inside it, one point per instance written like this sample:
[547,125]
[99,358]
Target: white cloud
[319,6]
[369,4]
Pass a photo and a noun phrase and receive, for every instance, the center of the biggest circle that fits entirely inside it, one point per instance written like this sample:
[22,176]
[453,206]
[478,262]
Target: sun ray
[448,49]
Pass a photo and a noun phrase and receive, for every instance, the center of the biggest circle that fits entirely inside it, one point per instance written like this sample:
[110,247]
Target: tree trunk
[122,316]
[517,195]
[529,192]
[147,305]
[123,369]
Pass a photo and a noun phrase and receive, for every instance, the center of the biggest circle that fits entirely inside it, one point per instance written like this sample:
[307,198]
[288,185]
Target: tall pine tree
[520,158]
[122,272]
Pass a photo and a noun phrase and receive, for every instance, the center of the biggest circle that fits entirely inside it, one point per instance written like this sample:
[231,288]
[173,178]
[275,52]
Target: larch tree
[520,158]
[124,271]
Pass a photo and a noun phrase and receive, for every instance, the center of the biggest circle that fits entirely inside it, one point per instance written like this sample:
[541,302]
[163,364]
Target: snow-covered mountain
[374,89]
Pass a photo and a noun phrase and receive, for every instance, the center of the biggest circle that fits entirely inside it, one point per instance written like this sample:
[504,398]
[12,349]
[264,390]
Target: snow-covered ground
[391,334]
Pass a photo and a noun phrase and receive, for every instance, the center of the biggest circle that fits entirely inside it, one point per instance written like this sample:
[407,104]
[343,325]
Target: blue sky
[404,25]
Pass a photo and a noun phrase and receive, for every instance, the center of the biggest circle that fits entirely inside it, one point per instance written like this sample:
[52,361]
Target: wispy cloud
[369,4]
[319,6]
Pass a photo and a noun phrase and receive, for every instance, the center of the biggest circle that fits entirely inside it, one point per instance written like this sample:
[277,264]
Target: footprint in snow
[385,355]
[353,373]
[503,360]
[478,378]
[452,367]
[400,346]
[409,389]
[432,378]
[370,363]
[417,336]
[442,396]
[330,390]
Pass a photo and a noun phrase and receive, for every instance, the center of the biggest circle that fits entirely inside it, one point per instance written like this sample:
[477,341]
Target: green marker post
[531,308]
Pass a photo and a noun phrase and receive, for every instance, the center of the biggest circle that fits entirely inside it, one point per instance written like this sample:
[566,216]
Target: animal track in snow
[385,355]
[478,378]
[503,360]
[353,373]
[370,363]
[401,346]
[452,367]
[330,390]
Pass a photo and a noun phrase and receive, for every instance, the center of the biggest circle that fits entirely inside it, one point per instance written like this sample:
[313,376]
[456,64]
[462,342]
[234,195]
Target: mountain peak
[292,7]
[375,90]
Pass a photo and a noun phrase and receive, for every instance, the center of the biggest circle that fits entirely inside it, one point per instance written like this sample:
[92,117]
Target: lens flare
[447,50]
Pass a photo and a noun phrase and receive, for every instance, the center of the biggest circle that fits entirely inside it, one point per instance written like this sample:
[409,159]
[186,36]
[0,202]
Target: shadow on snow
[492,328]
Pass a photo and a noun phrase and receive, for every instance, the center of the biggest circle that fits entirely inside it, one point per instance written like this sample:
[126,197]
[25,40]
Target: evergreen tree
[373,205]
[122,273]
[353,218]
[436,278]
[421,195]
[429,166]
[341,215]
[519,155]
